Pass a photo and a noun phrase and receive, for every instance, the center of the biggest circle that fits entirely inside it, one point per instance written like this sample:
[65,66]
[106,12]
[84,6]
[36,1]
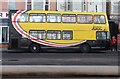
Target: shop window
[5,33]
[53,18]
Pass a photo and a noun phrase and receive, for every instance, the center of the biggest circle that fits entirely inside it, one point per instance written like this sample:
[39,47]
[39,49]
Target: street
[60,58]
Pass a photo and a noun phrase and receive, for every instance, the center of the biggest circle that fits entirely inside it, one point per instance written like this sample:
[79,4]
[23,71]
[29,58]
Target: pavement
[56,71]
[59,71]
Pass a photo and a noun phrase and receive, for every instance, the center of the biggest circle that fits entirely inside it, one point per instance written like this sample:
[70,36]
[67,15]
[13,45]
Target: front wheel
[34,48]
[85,48]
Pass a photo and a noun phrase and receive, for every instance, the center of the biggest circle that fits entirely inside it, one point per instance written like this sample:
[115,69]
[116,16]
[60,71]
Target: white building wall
[38,4]
[77,5]
[83,5]
[97,6]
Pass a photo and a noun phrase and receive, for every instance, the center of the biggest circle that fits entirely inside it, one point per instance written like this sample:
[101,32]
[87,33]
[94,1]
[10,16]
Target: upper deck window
[37,18]
[53,18]
[99,19]
[69,18]
[21,18]
[84,19]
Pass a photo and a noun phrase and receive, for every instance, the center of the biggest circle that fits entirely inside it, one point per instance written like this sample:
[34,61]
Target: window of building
[37,4]
[69,18]
[46,4]
[99,19]
[69,5]
[67,35]
[53,35]
[53,18]
[37,18]
[84,19]
[28,5]
[85,6]
[11,5]
[115,7]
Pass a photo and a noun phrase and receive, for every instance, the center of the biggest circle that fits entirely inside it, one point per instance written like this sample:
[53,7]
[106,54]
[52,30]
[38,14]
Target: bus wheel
[85,48]
[34,48]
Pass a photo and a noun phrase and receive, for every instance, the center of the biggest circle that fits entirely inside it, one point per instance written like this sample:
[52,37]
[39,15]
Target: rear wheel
[85,48]
[34,48]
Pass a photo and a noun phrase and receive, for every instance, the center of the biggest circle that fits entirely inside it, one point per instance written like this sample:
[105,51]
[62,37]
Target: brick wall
[4,6]
[20,5]
[53,5]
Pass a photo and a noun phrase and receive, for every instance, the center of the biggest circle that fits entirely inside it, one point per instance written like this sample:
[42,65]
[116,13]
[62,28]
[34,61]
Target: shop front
[4,30]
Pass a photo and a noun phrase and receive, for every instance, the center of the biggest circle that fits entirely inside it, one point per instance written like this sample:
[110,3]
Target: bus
[35,30]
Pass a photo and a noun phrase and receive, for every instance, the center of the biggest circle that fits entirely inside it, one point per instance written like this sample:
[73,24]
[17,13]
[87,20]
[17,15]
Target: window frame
[99,15]
[54,13]
[86,22]
[69,22]
[37,15]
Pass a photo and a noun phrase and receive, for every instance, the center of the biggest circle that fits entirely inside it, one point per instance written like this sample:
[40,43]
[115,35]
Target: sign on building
[4,15]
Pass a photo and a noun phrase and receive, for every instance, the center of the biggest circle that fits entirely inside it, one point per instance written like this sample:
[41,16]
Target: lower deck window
[53,35]
[67,35]
[38,34]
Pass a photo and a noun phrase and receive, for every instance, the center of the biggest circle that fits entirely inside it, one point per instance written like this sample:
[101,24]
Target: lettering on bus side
[97,28]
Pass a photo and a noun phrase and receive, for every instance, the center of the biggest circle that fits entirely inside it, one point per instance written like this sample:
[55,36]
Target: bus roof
[65,12]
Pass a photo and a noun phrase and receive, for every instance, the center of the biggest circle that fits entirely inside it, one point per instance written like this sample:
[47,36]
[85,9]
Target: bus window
[41,34]
[67,35]
[99,19]
[69,18]
[83,19]
[53,18]
[53,35]
[37,18]
[21,18]
[34,34]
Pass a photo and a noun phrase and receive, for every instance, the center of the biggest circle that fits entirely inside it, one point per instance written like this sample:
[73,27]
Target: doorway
[0,34]
[5,34]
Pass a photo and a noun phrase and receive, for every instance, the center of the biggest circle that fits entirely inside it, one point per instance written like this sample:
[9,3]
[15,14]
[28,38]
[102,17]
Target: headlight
[101,35]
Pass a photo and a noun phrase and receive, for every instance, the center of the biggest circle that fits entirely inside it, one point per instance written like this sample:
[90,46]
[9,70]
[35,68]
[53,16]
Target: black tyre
[34,48]
[85,48]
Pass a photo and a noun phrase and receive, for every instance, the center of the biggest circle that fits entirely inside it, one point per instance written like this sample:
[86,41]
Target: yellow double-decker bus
[35,29]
